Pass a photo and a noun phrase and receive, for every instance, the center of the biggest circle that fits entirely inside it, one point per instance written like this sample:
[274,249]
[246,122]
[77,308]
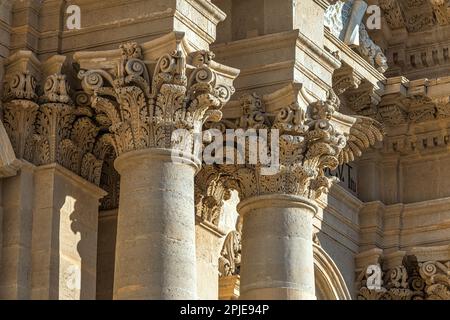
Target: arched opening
[330,284]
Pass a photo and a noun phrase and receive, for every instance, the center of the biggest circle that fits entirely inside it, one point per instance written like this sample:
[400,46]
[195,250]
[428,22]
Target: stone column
[156,227]
[152,126]
[278,204]
[277,256]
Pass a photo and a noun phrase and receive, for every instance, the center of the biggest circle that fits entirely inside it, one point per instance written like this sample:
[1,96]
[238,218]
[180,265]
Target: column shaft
[155,247]
[277,252]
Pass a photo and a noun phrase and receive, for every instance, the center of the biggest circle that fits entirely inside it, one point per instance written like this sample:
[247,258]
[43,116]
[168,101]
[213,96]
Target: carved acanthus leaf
[143,111]
[210,194]
[308,144]
[19,112]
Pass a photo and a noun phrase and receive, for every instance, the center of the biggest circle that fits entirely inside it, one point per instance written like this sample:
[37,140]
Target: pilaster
[64,235]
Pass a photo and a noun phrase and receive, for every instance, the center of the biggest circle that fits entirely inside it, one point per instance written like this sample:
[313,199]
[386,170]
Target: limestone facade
[104,195]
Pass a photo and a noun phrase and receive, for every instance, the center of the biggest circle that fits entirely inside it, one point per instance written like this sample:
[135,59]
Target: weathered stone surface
[359,208]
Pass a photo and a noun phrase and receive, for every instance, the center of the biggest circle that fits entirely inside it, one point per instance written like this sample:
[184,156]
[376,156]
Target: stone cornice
[125,21]
[325,58]
[418,101]
[24,5]
[255,44]
[400,225]
[353,59]
[210,9]
[75,179]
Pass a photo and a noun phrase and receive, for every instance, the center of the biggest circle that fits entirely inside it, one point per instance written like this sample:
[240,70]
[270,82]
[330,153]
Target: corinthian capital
[19,101]
[145,93]
[312,136]
[48,128]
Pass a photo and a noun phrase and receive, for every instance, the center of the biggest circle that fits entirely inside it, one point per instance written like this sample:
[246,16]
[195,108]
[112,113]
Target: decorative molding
[363,100]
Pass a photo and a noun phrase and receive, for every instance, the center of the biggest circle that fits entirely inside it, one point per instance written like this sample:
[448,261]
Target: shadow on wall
[335,247]
[77,248]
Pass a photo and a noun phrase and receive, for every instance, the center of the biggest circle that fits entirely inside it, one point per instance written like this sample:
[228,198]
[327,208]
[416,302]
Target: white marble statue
[345,20]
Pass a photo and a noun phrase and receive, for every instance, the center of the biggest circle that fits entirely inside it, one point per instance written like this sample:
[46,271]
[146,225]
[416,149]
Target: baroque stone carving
[65,134]
[143,110]
[436,275]
[49,128]
[19,111]
[210,193]
[392,13]
[308,141]
[230,255]
[440,11]
[415,109]
[345,78]
[412,280]
[344,19]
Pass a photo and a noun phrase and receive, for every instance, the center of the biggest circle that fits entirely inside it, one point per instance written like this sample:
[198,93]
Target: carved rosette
[308,144]
[144,110]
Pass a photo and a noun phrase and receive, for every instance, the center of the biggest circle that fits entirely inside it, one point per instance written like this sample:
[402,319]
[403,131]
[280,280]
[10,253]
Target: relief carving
[345,21]
[143,110]
[230,255]
[413,280]
[309,143]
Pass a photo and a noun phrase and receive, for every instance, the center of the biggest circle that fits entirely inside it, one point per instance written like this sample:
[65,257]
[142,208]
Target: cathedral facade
[111,111]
